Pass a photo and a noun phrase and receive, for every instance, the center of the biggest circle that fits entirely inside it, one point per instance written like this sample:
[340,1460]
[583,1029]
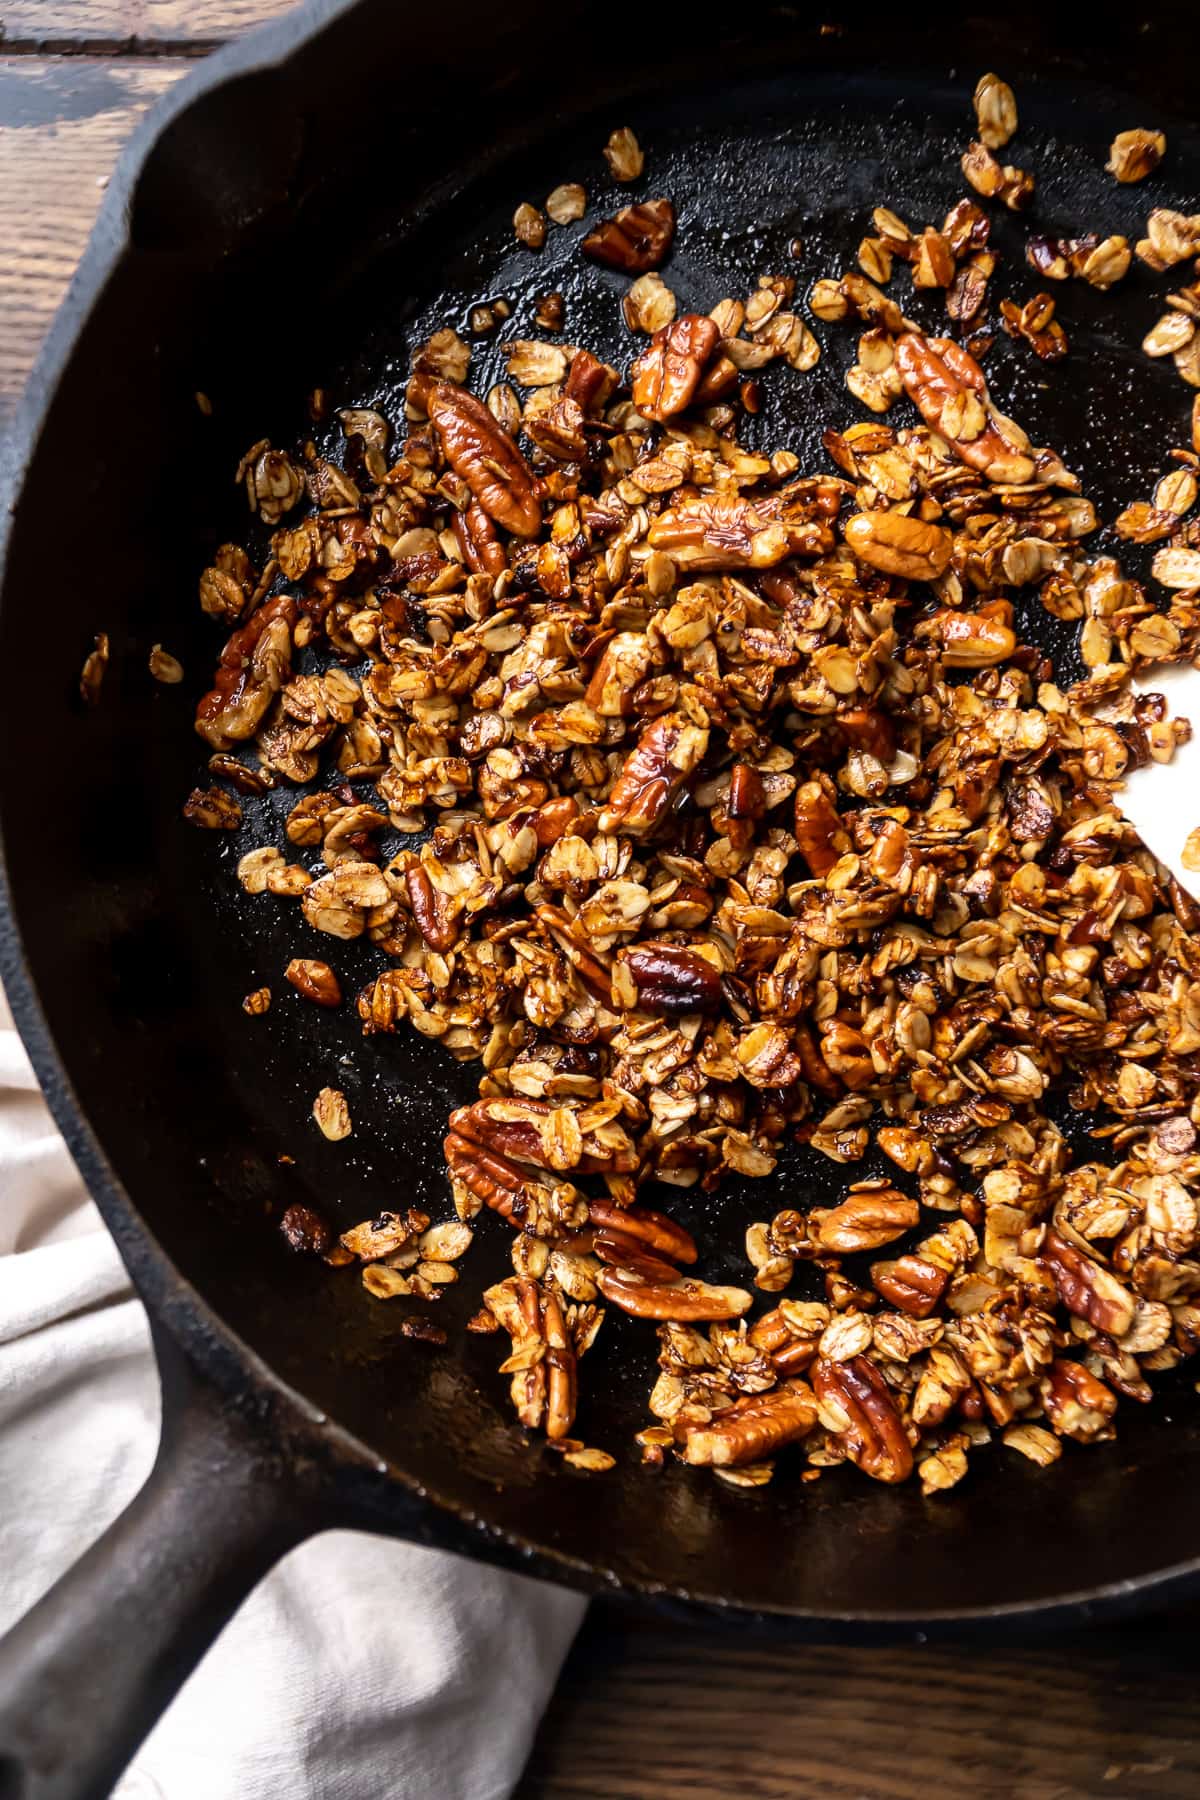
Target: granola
[712,804]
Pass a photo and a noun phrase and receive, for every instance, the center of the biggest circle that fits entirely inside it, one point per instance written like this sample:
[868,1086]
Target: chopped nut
[258,1002]
[567,203]
[530,226]
[1135,154]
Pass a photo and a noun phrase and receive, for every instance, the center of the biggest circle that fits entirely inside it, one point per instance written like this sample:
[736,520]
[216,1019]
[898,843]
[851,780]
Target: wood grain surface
[648,1710]
[643,1709]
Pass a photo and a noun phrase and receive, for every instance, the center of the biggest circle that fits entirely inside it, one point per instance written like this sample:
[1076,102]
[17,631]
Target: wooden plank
[178,26]
[643,1709]
[62,124]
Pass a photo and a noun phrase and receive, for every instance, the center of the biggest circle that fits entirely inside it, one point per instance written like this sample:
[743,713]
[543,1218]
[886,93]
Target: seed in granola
[1135,154]
[332,1114]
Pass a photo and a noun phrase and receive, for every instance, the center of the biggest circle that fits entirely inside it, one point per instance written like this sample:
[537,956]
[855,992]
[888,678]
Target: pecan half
[911,1284]
[666,375]
[483,455]
[666,753]
[857,1408]
[653,1229]
[621,1252]
[868,1220]
[899,545]
[252,668]
[669,978]
[438,931]
[753,1428]
[637,239]
[935,370]
[315,980]
[685,1301]
[1086,1289]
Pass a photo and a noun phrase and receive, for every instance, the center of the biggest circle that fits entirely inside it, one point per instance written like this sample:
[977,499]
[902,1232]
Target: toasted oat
[332,1114]
[566,203]
[995,111]
[623,154]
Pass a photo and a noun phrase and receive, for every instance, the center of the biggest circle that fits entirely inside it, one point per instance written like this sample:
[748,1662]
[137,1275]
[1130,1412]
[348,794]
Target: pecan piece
[857,1408]
[1086,1289]
[252,668]
[818,828]
[315,980]
[684,1301]
[720,531]
[790,1350]
[868,1220]
[438,931]
[561,1375]
[481,549]
[669,978]
[637,239]
[899,545]
[666,753]
[621,1252]
[1077,1405]
[935,370]
[653,1229]
[753,1428]
[667,373]
[483,455]
[529,1381]
[590,382]
[911,1284]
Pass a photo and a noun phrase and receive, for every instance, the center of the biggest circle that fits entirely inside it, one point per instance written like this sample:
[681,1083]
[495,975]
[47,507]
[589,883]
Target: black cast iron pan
[301,214]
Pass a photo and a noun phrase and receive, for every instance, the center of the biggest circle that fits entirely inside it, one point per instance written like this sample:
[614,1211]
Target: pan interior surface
[370,233]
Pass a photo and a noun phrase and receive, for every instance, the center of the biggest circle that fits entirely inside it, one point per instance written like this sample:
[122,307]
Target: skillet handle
[87,1672]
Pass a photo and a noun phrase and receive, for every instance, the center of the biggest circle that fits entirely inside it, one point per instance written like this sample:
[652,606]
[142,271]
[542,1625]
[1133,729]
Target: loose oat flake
[705,800]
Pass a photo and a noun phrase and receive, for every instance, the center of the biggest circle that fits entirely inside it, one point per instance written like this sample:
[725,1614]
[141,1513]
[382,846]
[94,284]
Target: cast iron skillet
[301,213]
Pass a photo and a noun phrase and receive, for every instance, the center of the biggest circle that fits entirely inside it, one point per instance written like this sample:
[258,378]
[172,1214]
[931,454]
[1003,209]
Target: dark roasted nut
[667,373]
[686,1301]
[561,1374]
[973,640]
[590,382]
[899,545]
[818,829]
[1086,1289]
[867,1219]
[485,457]
[666,753]
[481,549]
[653,1229]
[935,370]
[305,1230]
[1077,1405]
[315,980]
[668,978]
[432,921]
[636,240]
[911,1283]
[857,1408]
[753,1428]
[252,668]
[621,1252]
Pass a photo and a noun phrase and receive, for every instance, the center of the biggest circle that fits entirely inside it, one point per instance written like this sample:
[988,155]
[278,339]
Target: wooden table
[643,1709]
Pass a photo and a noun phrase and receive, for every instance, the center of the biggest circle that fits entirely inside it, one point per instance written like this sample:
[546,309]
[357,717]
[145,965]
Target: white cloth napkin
[360,1669]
